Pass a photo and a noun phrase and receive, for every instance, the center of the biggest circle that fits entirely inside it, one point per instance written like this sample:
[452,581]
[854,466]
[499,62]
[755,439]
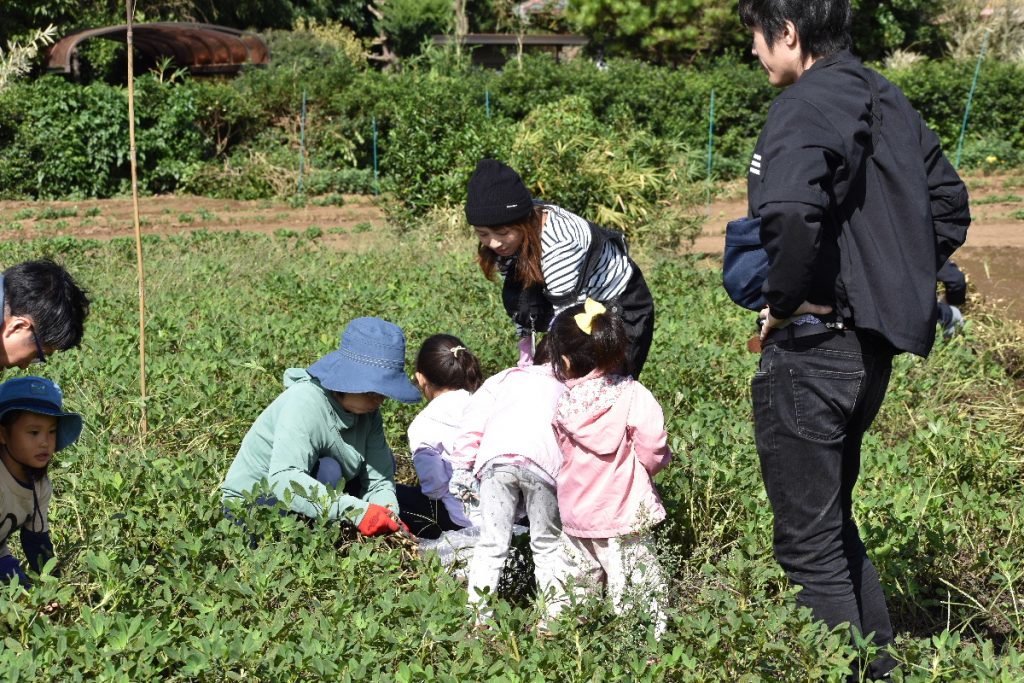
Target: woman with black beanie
[551,259]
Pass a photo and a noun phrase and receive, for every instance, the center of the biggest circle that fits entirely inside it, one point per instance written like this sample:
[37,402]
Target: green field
[158,586]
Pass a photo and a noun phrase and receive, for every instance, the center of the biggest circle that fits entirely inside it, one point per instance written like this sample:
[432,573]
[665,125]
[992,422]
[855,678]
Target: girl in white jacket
[447,374]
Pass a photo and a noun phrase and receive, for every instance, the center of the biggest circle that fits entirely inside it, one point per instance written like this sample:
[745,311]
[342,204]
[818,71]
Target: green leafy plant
[16,60]
[158,584]
[632,182]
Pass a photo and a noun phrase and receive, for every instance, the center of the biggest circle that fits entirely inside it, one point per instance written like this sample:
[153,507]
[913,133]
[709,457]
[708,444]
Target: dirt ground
[993,256]
[348,223]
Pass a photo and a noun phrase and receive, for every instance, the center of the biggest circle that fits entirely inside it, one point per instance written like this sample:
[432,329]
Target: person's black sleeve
[954,282]
[801,150]
[951,214]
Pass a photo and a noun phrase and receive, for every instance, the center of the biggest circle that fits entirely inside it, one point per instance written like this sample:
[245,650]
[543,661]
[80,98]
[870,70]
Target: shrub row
[432,121]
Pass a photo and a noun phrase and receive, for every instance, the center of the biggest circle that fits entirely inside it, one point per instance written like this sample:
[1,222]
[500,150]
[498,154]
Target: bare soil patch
[349,222]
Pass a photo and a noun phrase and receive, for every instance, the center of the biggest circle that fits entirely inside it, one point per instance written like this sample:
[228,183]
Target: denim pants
[813,400]
[425,518]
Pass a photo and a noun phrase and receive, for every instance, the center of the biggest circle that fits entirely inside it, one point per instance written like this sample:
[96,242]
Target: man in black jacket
[859,209]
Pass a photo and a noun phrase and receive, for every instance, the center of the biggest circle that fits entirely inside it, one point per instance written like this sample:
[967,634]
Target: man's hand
[772,323]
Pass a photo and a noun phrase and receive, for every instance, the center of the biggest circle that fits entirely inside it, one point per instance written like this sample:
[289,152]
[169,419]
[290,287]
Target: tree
[882,26]
[402,25]
[661,31]
[17,59]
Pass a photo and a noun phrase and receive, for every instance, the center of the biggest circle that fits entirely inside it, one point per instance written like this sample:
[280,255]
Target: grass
[157,585]
[997,199]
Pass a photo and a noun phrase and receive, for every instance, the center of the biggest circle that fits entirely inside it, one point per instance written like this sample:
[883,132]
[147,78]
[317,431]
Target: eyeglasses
[40,358]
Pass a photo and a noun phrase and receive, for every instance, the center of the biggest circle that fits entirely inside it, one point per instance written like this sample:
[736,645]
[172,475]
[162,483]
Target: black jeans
[425,518]
[813,400]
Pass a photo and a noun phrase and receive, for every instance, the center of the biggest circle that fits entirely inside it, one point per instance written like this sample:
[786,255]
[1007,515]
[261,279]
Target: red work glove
[380,520]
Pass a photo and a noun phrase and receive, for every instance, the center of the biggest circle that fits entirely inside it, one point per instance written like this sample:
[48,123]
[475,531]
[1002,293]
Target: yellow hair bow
[591,309]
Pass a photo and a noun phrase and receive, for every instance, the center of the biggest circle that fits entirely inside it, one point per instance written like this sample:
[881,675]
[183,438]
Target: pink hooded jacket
[611,431]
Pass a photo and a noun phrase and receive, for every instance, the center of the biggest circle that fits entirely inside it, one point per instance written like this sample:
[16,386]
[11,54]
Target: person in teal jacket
[319,447]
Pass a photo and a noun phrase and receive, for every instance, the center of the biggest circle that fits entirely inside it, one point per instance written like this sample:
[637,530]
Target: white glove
[464,486]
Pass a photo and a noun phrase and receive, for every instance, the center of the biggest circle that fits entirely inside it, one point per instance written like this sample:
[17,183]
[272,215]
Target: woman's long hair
[527,259]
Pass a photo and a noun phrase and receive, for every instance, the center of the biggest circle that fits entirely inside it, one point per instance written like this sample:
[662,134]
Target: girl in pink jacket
[611,432]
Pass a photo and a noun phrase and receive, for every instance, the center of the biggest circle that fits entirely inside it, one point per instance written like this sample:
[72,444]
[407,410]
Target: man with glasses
[44,310]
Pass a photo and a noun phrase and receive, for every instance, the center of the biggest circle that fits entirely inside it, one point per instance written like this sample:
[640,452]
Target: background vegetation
[433,114]
[157,585]
[434,119]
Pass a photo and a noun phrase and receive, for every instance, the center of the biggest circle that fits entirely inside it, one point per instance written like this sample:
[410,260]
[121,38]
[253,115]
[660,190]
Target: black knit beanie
[496,195]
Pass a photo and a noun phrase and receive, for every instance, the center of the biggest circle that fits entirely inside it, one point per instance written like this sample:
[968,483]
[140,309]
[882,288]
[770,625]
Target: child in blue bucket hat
[322,439]
[33,426]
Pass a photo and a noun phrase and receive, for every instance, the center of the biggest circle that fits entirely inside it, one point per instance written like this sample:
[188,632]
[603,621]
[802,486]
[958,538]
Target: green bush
[432,120]
[62,140]
[634,182]
[267,167]
[989,154]
[302,61]
[939,90]
[434,131]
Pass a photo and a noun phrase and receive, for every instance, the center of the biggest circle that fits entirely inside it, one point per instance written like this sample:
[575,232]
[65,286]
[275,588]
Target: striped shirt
[565,240]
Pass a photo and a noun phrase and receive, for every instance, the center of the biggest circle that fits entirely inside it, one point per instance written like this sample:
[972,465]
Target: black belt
[793,332]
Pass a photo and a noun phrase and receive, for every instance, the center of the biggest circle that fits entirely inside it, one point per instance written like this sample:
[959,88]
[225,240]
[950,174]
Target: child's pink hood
[598,422]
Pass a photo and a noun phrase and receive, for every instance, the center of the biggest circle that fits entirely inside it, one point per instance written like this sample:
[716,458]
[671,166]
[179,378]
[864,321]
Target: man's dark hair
[46,293]
[823,25]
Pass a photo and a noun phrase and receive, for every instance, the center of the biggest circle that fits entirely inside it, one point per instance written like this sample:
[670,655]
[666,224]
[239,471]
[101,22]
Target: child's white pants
[628,568]
[500,492]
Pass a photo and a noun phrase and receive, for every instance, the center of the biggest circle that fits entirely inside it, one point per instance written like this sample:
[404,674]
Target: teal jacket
[303,424]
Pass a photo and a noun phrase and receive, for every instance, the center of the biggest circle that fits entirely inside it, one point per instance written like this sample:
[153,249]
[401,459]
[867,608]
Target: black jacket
[859,206]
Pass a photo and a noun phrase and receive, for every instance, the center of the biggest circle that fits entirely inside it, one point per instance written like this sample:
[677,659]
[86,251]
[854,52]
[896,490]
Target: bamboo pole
[130,10]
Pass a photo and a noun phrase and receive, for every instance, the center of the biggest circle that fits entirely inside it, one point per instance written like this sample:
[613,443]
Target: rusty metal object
[201,48]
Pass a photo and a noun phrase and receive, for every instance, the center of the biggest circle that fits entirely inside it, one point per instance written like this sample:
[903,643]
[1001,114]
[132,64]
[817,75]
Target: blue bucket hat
[42,396]
[371,357]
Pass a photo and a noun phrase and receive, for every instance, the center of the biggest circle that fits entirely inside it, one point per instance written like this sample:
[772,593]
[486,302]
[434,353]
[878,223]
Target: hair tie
[591,309]
[455,350]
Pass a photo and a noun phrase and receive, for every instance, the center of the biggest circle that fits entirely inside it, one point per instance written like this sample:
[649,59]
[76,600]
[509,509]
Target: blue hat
[371,357]
[40,395]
